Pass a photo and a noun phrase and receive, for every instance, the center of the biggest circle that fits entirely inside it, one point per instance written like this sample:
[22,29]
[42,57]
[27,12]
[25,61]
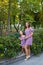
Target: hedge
[37,46]
[10,45]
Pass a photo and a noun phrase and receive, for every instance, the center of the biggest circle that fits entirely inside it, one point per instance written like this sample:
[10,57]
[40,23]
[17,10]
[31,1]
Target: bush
[41,36]
[10,45]
[37,46]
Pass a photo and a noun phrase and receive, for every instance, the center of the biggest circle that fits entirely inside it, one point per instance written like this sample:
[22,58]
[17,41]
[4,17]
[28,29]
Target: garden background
[13,15]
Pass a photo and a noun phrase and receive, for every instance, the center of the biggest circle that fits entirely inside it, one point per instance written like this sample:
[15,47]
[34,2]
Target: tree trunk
[9,16]
[42,15]
[0,29]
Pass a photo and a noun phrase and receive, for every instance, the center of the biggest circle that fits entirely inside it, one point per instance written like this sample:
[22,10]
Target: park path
[34,60]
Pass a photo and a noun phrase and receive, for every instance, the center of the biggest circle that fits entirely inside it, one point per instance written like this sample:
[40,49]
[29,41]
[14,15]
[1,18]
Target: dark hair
[23,33]
[28,25]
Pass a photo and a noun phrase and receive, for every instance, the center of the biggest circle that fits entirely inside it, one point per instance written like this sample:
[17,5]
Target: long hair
[28,25]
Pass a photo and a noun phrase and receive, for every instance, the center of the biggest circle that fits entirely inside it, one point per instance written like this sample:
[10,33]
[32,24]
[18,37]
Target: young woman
[29,34]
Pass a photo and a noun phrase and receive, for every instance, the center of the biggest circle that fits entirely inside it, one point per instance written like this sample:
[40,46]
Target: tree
[20,11]
[9,6]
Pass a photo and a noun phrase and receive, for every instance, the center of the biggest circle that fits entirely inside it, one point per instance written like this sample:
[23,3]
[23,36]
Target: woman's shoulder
[31,28]
[28,28]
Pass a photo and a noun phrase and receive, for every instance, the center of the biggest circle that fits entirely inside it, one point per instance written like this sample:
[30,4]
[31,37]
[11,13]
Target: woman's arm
[29,35]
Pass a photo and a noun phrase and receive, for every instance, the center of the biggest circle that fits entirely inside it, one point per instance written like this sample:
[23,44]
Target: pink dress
[27,33]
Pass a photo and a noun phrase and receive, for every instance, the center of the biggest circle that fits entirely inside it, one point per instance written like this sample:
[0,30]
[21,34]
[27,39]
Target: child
[22,39]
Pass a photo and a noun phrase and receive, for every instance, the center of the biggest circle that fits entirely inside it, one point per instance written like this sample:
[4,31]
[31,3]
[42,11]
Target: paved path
[34,60]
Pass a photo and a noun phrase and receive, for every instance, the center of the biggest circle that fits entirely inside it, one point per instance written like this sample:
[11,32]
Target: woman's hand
[26,37]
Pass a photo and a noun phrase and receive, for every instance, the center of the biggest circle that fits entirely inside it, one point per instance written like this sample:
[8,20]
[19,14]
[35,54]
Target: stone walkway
[34,60]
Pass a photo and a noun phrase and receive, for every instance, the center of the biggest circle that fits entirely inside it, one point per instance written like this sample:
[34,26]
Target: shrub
[10,45]
[37,46]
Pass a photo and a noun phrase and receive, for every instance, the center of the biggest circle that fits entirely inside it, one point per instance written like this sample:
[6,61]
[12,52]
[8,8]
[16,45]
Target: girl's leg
[23,49]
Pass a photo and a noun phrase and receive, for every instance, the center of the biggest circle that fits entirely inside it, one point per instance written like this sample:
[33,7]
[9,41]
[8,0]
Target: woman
[29,34]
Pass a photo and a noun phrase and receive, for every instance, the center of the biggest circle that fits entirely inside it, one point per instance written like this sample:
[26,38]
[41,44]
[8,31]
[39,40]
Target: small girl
[22,39]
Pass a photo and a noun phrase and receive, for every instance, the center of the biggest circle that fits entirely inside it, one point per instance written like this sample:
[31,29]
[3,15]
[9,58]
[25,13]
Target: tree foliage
[20,11]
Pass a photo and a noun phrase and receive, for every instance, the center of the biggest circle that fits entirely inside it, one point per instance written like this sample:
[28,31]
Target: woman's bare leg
[27,51]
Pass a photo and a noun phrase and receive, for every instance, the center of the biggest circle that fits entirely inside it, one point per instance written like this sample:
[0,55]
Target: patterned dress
[27,33]
[23,41]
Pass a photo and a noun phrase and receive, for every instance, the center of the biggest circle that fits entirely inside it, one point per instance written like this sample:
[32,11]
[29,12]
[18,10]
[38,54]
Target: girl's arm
[20,38]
